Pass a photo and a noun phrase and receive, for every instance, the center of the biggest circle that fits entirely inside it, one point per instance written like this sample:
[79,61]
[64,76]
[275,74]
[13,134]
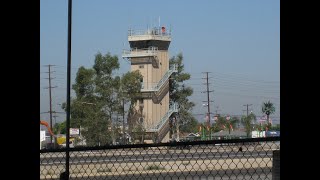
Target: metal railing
[135,52]
[216,159]
[165,77]
[172,108]
[153,31]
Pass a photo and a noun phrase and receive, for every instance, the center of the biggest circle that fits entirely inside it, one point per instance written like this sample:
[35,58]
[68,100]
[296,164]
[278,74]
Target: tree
[220,123]
[231,123]
[190,126]
[179,93]
[99,98]
[275,128]
[130,93]
[268,108]
[60,128]
[84,83]
[139,132]
[215,128]
[247,122]
[107,87]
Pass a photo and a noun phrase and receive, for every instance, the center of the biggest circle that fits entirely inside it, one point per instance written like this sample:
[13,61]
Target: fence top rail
[172,144]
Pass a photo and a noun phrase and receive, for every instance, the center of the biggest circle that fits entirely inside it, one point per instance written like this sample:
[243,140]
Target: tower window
[141,66]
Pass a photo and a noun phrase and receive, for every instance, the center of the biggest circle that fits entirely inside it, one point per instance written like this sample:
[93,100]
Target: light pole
[65,175]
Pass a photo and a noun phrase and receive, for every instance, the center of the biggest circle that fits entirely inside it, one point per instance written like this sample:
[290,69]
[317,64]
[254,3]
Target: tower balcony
[150,34]
[145,52]
[157,37]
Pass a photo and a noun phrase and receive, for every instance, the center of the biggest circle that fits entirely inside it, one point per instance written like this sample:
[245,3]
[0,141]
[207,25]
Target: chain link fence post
[276,165]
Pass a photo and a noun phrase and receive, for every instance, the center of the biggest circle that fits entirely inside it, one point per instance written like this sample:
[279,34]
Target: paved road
[83,159]
[255,165]
[244,174]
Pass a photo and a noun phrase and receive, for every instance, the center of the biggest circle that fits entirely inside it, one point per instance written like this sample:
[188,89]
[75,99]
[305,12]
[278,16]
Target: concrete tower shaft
[149,54]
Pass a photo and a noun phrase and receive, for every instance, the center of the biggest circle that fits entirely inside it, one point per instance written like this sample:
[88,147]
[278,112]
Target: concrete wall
[153,112]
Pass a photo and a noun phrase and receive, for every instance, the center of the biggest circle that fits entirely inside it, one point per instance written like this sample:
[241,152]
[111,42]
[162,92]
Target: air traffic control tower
[149,54]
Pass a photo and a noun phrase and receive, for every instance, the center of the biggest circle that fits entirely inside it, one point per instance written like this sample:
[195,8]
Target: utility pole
[247,108]
[54,116]
[50,98]
[208,97]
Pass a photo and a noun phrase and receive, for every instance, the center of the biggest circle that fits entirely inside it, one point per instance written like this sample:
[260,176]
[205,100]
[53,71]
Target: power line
[237,76]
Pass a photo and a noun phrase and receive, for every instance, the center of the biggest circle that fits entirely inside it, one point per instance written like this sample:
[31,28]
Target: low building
[42,138]
[225,134]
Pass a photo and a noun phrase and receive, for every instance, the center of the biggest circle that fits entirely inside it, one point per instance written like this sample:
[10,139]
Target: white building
[42,137]
[257,134]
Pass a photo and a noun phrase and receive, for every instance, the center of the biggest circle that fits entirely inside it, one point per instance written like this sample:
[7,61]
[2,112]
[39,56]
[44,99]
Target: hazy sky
[237,41]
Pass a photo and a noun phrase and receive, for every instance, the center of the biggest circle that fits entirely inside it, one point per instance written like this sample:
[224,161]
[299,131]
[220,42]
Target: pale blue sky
[238,41]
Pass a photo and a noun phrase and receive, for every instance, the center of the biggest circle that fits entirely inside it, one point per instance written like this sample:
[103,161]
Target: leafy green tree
[99,98]
[220,123]
[107,87]
[84,83]
[190,126]
[268,108]
[139,133]
[248,122]
[215,128]
[275,127]
[179,93]
[231,123]
[59,128]
[84,90]
[130,93]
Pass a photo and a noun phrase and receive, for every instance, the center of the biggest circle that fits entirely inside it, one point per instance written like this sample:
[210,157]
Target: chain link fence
[218,159]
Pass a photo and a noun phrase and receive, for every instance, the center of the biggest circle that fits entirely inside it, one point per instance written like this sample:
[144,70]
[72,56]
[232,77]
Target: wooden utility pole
[247,108]
[208,98]
[50,98]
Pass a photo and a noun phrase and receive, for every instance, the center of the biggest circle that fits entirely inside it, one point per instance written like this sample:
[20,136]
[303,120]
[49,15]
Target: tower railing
[153,31]
[135,52]
[165,77]
[172,109]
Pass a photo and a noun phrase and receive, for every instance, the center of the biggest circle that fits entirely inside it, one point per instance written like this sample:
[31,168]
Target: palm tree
[221,123]
[247,123]
[231,123]
[268,108]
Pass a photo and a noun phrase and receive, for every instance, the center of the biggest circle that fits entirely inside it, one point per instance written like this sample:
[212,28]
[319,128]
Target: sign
[74,131]
[257,134]
[42,136]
